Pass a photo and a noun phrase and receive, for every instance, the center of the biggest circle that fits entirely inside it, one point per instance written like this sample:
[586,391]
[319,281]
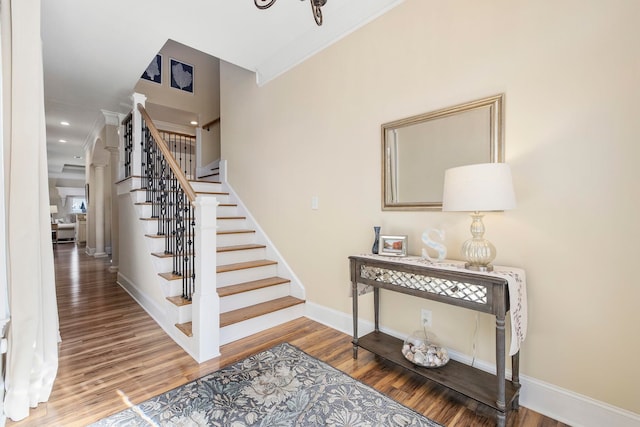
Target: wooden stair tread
[244,265]
[170,276]
[206,182]
[162,236]
[239,248]
[231,217]
[161,255]
[235,231]
[250,312]
[178,301]
[225,291]
[166,255]
[185,328]
[217,193]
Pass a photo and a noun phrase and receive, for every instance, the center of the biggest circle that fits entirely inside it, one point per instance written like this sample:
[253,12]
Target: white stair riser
[246,275]
[235,239]
[257,324]
[171,288]
[245,299]
[150,226]
[231,224]
[139,196]
[227,210]
[221,198]
[245,255]
[156,244]
[144,211]
[162,265]
[178,314]
[211,187]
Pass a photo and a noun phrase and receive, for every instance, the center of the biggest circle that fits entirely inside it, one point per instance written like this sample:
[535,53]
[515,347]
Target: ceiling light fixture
[62,140]
[315,7]
[64,123]
[193,122]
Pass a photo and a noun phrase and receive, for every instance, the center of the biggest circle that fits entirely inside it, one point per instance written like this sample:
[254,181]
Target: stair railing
[127,127]
[183,148]
[172,198]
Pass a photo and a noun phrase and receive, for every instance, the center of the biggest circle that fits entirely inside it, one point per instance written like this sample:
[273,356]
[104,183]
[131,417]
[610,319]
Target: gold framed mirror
[417,150]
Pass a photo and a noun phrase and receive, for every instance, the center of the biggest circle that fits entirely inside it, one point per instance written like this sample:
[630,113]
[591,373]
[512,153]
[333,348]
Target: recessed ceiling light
[64,123]
[62,140]
[77,157]
[193,122]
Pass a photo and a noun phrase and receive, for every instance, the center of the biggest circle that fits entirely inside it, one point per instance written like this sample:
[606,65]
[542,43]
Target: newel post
[205,303]
[136,117]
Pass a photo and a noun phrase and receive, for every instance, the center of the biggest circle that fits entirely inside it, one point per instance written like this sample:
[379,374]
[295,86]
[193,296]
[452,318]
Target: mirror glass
[417,150]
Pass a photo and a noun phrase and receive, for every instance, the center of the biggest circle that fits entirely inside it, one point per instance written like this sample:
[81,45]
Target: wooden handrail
[171,161]
[211,123]
[127,118]
[170,132]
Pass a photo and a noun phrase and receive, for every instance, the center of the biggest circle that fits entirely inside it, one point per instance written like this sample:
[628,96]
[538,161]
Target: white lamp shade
[480,187]
[53,209]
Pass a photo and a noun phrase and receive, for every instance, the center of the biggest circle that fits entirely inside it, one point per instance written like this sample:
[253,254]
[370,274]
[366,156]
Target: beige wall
[569,71]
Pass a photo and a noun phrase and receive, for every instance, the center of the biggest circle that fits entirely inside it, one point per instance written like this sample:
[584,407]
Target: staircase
[224,279]
[254,288]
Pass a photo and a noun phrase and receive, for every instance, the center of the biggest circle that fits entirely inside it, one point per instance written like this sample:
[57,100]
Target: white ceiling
[95,51]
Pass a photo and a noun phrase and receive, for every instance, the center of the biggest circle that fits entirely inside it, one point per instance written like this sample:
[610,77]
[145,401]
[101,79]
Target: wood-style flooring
[113,355]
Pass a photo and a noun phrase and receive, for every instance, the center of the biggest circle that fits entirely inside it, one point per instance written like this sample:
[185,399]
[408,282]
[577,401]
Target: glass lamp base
[478,251]
[482,268]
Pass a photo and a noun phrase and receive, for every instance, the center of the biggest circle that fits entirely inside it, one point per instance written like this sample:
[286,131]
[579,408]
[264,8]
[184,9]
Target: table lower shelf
[472,382]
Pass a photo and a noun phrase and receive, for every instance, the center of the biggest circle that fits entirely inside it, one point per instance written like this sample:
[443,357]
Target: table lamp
[53,209]
[478,188]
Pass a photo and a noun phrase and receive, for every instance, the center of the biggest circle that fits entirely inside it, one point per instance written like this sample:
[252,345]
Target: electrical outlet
[426,318]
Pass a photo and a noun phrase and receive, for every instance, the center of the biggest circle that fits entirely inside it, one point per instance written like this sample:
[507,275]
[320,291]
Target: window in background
[78,205]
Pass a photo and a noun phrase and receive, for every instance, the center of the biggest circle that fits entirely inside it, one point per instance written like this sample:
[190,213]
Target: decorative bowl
[419,350]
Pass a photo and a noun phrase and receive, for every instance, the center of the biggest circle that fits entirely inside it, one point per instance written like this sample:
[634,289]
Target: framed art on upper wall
[153,73]
[181,76]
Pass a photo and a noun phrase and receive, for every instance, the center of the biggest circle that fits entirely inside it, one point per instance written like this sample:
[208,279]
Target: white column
[99,214]
[136,157]
[115,220]
[206,303]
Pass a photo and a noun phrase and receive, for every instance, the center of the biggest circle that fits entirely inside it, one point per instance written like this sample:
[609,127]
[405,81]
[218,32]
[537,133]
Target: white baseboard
[155,311]
[550,400]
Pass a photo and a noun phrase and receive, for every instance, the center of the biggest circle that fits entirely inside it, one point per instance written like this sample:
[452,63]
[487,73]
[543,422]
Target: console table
[462,288]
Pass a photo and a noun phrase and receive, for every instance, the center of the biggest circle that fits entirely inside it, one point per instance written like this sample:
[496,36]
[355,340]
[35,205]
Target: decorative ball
[418,349]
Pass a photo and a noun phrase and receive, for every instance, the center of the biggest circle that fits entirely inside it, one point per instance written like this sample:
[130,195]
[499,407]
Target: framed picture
[153,73]
[393,245]
[181,76]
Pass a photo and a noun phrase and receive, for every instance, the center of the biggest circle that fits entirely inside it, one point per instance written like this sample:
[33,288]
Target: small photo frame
[393,245]
[181,76]
[153,73]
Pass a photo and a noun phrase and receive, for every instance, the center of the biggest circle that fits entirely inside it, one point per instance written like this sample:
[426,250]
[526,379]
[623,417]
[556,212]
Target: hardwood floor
[113,355]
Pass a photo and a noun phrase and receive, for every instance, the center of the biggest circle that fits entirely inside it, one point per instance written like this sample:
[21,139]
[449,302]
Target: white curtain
[32,357]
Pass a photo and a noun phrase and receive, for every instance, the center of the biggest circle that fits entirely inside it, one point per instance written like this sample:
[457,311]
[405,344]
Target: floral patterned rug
[282,386]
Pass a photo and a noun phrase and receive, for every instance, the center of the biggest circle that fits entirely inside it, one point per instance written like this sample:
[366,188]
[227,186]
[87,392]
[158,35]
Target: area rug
[282,386]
